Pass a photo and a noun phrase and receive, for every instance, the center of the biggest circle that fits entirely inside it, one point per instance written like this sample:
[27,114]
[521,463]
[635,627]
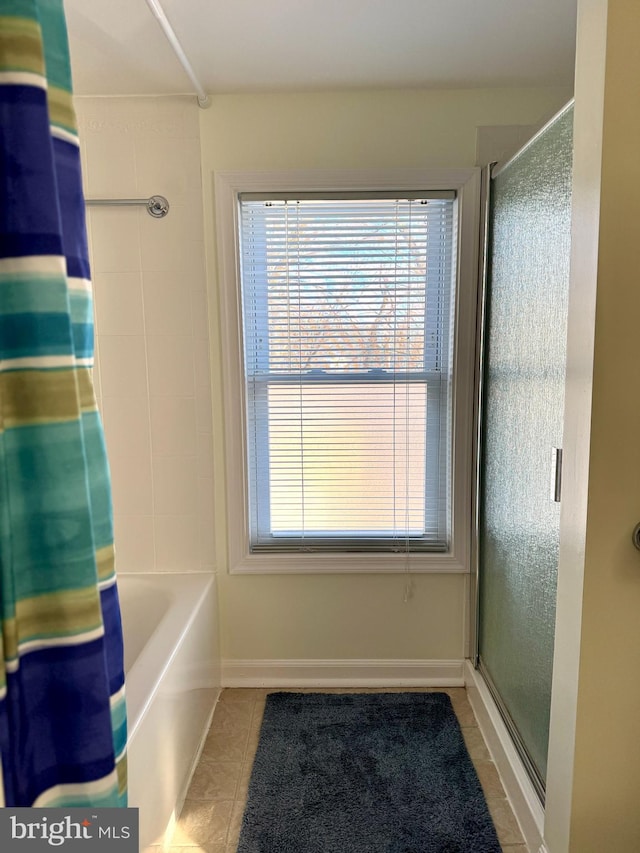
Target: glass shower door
[523,398]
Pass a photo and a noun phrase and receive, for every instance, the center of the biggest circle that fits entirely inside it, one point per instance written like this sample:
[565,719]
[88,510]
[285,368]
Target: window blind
[347,308]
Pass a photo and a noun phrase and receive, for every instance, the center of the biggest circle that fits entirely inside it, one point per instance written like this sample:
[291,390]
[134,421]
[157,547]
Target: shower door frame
[488,173]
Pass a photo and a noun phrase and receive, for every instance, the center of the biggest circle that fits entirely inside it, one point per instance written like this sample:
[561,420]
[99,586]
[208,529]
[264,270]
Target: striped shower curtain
[62,711]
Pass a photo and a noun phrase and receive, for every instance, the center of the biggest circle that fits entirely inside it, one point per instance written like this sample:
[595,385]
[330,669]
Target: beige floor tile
[203,822]
[476,747]
[235,824]
[376,690]
[252,742]
[242,791]
[246,774]
[232,716]
[215,780]
[464,713]
[241,694]
[258,711]
[256,722]
[489,779]
[457,694]
[357,690]
[225,746]
[243,783]
[512,848]
[504,820]
[198,848]
[267,690]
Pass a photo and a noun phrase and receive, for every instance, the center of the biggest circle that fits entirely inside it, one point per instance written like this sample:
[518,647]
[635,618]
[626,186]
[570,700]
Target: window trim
[227,186]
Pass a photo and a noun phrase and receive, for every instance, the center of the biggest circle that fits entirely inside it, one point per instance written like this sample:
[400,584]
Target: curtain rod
[159,14]
[157,206]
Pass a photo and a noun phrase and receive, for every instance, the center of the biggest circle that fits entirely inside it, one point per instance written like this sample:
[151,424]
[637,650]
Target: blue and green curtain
[62,709]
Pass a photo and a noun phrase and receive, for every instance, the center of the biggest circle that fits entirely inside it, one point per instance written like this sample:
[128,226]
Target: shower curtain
[62,710]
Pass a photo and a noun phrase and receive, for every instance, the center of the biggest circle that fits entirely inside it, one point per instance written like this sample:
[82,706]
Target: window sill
[301,563]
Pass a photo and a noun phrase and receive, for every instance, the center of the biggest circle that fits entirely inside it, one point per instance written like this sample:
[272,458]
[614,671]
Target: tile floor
[212,813]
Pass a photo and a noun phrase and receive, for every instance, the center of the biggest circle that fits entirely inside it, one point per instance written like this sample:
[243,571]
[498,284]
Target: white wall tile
[118,299]
[177,547]
[205,454]
[192,254]
[171,371]
[150,285]
[173,426]
[167,304]
[159,118]
[206,544]
[204,415]
[206,498]
[170,167]
[193,216]
[126,425]
[190,119]
[123,365]
[200,309]
[175,481]
[111,169]
[115,239]
[131,485]
[163,241]
[134,542]
[173,116]
[206,528]
[106,116]
[202,365]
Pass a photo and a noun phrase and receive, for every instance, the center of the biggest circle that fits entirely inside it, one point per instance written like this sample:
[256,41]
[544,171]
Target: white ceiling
[117,46]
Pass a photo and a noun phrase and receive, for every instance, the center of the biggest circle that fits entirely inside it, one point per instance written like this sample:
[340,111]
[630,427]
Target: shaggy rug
[364,773]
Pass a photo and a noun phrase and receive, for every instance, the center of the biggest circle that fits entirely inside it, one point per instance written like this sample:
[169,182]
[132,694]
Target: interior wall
[343,616]
[594,770]
[152,373]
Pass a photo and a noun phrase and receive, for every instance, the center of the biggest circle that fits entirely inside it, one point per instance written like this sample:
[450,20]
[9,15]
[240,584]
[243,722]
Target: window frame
[227,187]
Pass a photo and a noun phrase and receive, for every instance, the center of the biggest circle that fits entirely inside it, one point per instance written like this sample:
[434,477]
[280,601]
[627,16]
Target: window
[348,311]
[347,358]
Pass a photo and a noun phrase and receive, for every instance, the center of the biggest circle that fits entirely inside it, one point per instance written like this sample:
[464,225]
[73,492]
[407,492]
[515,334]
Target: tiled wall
[152,343]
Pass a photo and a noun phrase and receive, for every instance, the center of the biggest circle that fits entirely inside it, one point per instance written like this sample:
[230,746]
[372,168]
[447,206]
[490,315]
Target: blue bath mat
[364,773]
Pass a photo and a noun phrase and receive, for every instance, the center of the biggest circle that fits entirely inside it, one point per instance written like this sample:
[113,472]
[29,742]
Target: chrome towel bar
[157,205]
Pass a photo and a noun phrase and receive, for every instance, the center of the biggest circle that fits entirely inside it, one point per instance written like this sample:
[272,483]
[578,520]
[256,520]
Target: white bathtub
[172,683]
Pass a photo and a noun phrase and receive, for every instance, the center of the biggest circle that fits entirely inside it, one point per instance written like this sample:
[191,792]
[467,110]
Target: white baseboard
[343,673]
[518,787]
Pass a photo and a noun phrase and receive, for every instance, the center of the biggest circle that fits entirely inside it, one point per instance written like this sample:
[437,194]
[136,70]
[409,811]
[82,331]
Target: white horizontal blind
[347,315]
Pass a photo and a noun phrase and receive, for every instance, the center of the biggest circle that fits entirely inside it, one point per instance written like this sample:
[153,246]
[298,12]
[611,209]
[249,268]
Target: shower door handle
[556,474]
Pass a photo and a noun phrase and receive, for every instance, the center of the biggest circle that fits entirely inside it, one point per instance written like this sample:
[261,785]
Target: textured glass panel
[524,395]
